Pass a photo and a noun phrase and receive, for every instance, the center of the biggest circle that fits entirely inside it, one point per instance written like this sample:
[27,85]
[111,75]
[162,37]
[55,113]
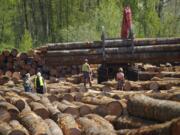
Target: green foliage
[26,42]
[28,23]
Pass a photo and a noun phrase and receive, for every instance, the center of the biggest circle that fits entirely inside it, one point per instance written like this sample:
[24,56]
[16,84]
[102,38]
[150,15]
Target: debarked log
[153,109]
[109,44]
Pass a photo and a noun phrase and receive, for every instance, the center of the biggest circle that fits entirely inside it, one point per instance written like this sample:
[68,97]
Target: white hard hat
[38,74]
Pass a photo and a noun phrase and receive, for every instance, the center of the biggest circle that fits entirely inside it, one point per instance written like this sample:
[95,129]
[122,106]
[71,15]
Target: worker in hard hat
[120,79]
[86,72]
[39,83]
[27,83]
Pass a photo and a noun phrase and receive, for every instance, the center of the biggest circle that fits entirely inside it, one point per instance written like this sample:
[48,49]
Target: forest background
[26,24]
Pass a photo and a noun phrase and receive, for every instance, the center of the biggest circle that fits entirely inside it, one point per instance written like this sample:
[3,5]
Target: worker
[39,84]
[86,73]
[120,79]
[126,29]
[27,83]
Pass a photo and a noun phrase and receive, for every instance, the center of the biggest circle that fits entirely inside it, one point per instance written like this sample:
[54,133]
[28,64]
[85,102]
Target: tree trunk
[34,124]
[67,108]
[114,58]
[108,106]
[5,115]
[90,127]
[68,125]
[54,112]
[39,109]
[153,109]
[168,128]
[16,126]
[11,109]
[110,44]
[129,122]
[16,100]
[53,127]
[84,108]
[165,96]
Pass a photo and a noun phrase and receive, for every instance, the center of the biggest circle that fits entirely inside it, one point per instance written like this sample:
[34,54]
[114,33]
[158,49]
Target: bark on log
[130,122]
[16,100]
[131,86]
[5,115]
[34,124]
[109,44]
[122,50]
[109,106]
[5,129]
[103,122]
[67,108]
[145,76]
[18,128]
[159,85]
[168,128]
[68,125]
[171,74]
[4,80]
[90,127]
[39,109]
[115,58]
[54,112]
[31,96]
[11,109]
[153,109]
[165,96]
[84,108]
[66,96]
[53,127]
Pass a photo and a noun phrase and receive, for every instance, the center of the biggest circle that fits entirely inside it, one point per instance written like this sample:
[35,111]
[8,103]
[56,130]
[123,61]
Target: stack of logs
[88,113]
[14,65]
[113,51]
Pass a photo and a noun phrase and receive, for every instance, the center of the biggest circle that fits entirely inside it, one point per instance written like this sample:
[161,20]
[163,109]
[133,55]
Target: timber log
[108,43]
[112,51]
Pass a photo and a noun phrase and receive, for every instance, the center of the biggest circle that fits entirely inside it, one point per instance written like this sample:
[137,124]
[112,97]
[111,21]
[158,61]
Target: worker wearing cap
[39,83]
[27,83]
[86,73]
[120,79]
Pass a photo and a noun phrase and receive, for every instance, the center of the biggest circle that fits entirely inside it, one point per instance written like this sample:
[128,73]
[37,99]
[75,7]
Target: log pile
[75,113]
[14,65]
[116,51]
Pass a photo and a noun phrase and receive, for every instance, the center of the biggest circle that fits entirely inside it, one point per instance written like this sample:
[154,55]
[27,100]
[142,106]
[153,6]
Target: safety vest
[40,81]
[85,67]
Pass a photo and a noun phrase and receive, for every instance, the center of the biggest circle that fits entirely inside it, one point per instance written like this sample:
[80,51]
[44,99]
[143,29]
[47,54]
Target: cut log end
[115,108]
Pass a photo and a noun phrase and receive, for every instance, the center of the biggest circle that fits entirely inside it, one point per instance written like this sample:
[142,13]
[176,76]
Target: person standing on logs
[27,83]
[39,83]
[86,73]
[120,79]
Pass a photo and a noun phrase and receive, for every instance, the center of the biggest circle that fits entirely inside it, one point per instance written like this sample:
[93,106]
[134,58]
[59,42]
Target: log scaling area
[89,67]
[147,104]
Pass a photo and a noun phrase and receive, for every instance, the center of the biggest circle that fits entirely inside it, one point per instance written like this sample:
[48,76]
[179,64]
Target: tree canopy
[30,23]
